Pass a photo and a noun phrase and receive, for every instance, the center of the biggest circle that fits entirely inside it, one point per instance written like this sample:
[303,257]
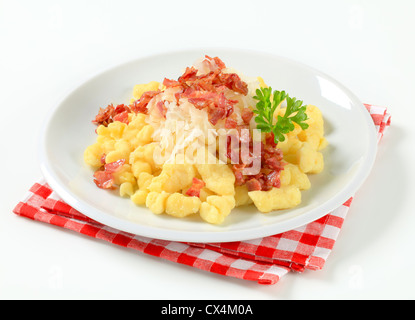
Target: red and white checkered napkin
[264,260]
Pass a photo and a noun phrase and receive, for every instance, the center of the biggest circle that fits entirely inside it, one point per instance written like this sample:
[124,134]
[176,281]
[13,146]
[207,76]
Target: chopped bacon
[201,99]
[220,64]
[209,81]
[272,152]
[230,123]
[234,82]
[274,163]
[269,138]
[161,108]
[239,178]
[114,166]
[122,117]
[110,114]
[208,90]
[247,115]
[271,165]
[237,171]
[194,190]
[104,178]
[140,105]
[104,116]
[226,104]
[121,108]
[272,179]
[253,185]
[217,105]
[215,114]
[190,74]
[229,107]
[171,83]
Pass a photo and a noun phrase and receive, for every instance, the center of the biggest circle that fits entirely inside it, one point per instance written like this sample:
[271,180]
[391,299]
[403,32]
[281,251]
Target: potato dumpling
[114,130]
[144,153]
[309,159]
[292,175]
[241,196]
[126,189]
[139,167]
[218,177]
[156,201]
[179,205]
[276,199]
[144,180]
[139,197]
[122,149]
[93,154]
[217,208]
[290,145]
[145,135]
[173,178]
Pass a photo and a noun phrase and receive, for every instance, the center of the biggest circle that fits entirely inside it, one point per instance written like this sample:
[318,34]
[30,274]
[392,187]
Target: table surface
[49,47]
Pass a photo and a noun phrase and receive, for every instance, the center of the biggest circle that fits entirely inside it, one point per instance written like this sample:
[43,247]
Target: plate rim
[210,236]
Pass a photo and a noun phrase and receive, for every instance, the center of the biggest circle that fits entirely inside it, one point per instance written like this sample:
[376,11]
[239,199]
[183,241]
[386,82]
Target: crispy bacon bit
[247,115]
[269,138]
[207,90]
[140,105]
[114,166]
[218,106]
[104,116]
[218,62]
[230,123]
[237,171]
[122,117]
[274,163]
[110,114]
[201,99]
[171,83]
[121,108]
[273,179]
[104,178]
[194,190]
[215,115]
[271,165]
[190,74]
[121,112]
[161,108]
[233,82]
[253,185]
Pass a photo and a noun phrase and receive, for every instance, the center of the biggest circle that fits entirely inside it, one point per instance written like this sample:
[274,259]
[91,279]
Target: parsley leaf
[265,108]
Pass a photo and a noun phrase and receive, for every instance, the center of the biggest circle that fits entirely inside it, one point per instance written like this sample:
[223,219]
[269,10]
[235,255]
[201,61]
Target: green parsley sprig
[266,106]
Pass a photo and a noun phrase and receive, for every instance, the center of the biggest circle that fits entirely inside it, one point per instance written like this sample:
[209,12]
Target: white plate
[68,131]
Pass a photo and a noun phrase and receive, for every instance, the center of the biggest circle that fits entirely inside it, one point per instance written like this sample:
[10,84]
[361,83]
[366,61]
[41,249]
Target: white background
[49,47]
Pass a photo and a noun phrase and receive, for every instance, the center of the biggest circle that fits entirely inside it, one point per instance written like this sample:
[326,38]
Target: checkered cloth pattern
[264,260]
